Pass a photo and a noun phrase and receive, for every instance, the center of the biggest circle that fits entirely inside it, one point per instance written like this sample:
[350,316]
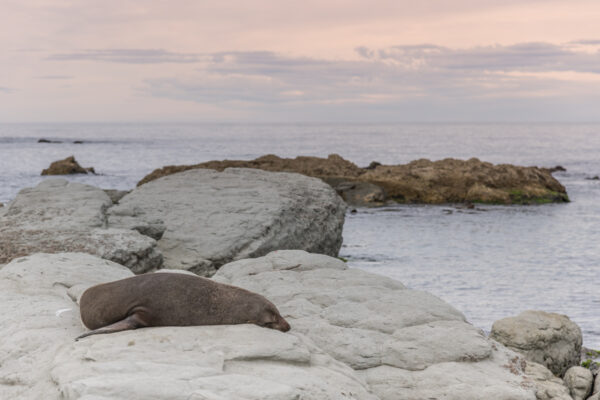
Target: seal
[173,299]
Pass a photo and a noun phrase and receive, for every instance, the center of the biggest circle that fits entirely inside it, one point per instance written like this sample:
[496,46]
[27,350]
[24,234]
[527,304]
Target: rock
[116,195]
[41,319]
[547,386]
[404,343]
[421,181]
[373,165]
[67,166]
[558,168]
[361,193]
[42,140]
[550,339]
[213,217]
[593,178]
[596,388]
[330,167]
[457,181]
[58,216]
[579,380]
[77,141]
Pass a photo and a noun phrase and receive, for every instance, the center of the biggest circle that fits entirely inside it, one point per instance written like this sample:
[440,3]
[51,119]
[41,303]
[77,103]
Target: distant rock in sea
[42,140]
[421,181]
[67,166]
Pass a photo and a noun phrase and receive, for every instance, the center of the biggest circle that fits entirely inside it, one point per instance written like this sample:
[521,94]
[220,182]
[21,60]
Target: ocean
[489,262]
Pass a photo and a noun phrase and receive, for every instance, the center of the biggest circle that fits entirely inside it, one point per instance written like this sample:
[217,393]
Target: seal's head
[264,313]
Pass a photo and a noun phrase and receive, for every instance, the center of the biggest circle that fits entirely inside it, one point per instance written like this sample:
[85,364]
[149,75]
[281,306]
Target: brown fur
[172,299]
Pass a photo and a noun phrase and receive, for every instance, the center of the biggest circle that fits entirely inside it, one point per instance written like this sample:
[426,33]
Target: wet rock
[60,216]
[579,380]
[67,166]
[42,140]
[421,181]
[361,194]
[211,218]
[558,168]
[593,178]
[550,339]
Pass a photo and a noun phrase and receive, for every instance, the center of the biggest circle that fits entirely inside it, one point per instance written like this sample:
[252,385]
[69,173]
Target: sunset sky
[295,61]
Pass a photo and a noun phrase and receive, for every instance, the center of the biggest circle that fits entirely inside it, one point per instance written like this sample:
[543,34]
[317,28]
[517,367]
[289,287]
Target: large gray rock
[354,335]
[212,218]
[406,344]
[579,380]
[550,339]
[39,358]
[59,216]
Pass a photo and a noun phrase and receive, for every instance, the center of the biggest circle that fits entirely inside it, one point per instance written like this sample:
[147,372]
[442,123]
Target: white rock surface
[548,386]
[212,218]
[39,358]
[405,344]
[58,216]
[550,339]
[579,380]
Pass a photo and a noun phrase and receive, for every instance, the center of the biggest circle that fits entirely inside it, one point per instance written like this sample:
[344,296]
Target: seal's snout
[283,326]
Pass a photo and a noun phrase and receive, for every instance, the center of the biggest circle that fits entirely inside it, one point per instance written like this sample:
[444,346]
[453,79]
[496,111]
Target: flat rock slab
[39,358]
[406,344]
[61,216]
[210,218]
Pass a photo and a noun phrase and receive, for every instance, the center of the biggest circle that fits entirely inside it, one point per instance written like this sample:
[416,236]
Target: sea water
[489,262]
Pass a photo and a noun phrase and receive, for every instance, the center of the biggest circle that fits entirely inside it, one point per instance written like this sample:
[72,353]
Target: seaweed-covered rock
[421,181]
[67,166]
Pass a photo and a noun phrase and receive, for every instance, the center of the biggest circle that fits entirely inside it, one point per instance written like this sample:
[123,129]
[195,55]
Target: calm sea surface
[490,262]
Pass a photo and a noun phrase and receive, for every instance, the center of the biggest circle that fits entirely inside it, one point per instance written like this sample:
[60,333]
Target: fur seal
[172,299]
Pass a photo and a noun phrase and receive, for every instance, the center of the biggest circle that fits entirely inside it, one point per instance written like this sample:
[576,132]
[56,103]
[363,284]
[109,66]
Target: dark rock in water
[373,165]
[116,195]
[66,167]
[594,178]
[78,142]
[361,193]
[556,169]
[42,140]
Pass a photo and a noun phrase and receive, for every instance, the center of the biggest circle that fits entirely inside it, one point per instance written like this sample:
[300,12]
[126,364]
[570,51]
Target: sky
[299,61]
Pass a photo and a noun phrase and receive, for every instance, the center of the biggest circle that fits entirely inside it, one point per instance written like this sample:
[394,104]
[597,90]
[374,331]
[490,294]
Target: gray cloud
[538,57]
[128,56]
[379,75]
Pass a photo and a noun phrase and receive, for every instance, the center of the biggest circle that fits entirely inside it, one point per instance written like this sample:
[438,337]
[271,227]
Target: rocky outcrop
[67,166]
[579,380]
[330,167]
[396,339]
[210,218]
[453,181]
[550,339]
[59,216]
[354,335]
[421,181]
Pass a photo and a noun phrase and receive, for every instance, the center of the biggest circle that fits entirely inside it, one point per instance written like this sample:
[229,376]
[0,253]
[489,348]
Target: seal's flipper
[131,322]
